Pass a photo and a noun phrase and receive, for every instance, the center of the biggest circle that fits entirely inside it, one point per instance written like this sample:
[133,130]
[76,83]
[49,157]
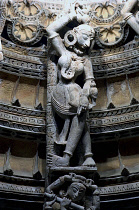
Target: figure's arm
[57,25]
[52,30]
[128,16]
[76,12]
[89,88]
[89,85]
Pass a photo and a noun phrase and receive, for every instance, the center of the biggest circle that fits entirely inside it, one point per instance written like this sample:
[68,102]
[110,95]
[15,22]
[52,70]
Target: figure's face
[76,191]
[83,40]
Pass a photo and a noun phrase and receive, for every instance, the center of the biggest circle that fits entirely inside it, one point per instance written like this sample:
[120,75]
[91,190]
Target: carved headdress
[84,28]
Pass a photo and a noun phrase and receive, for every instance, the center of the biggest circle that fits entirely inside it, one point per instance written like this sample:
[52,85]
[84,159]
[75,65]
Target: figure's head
[76,191]
[85,34]
[80,38]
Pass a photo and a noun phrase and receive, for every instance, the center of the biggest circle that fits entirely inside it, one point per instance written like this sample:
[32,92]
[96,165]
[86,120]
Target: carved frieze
[21,189]
[114,120]
[122,188]
[22,111]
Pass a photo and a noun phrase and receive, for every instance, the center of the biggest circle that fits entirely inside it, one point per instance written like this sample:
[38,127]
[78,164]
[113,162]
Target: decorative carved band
[21,188]
[114,135]
[15,131]
[133,53]
[114,120]
[22,68]
[106,63]
[33,51]
[111,122]
[113,112]
[22,119]
[114,128]
[105,72]
[20,71]
[22,111]
[21,127]
[32,61]
[116,62]
[16,67]
[123,188]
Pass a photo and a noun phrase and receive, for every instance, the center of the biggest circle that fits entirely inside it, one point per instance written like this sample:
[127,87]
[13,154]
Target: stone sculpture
[69,100]
[79,193]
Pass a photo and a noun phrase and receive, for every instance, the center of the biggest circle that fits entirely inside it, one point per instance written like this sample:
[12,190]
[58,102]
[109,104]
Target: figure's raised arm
[57,25]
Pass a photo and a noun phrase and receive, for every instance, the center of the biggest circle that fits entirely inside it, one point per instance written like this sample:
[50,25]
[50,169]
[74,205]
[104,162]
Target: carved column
[50,122]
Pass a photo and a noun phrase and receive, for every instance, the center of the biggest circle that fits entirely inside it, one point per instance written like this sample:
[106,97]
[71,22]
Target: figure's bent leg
[87,146]
[76,129]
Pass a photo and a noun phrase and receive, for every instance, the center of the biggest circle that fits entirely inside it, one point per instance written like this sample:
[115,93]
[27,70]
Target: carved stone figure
[69,100]
[72,191]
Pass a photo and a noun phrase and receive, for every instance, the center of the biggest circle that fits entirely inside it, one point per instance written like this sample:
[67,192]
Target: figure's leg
[87,146]
[64,132]
[76,129]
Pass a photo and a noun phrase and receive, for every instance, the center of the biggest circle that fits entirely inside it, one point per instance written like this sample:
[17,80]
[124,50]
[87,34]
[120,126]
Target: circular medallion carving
[24,33]
[27,9]
[105,12]
[112,35]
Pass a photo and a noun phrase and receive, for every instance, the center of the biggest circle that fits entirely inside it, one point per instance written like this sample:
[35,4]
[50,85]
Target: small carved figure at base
[72,190]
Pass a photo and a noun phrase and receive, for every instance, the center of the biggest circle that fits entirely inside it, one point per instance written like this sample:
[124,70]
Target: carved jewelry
[70,38]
